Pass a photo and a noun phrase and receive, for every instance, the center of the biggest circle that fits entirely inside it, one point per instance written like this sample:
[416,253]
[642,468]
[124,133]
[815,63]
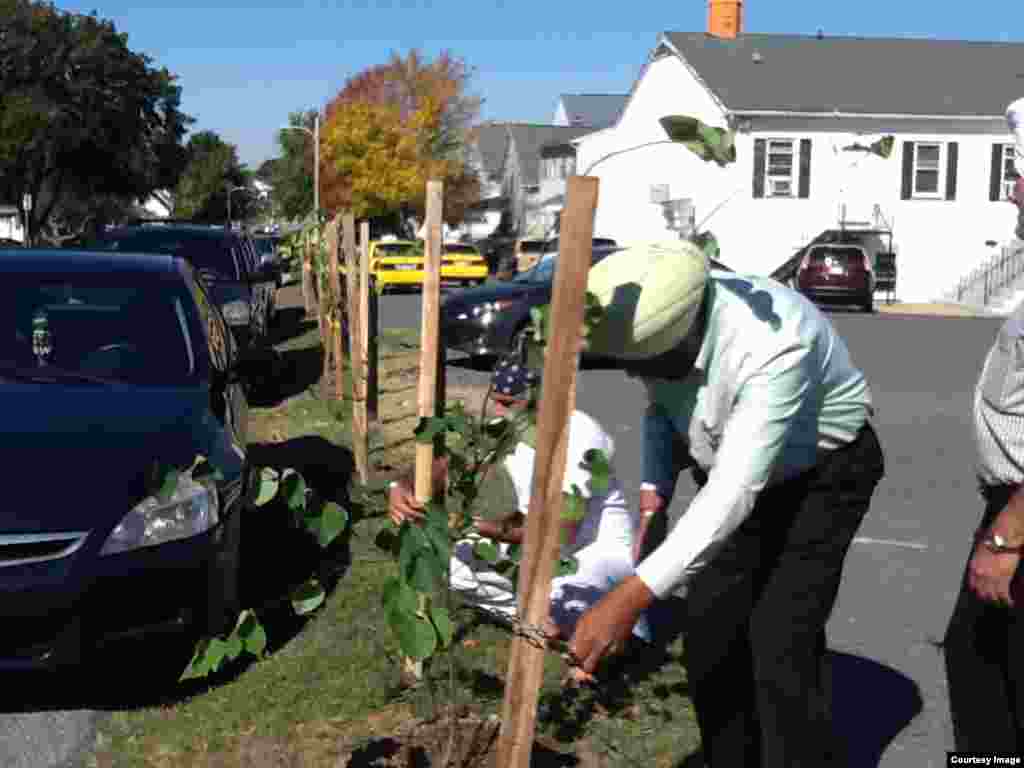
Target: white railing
[991,277]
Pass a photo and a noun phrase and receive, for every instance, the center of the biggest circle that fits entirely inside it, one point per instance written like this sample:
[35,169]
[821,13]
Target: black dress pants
[756,615]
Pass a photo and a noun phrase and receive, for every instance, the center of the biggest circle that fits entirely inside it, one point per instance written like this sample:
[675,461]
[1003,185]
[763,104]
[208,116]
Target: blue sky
[244,66]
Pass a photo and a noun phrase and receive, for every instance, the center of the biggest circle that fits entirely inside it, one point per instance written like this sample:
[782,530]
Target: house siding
[937,240]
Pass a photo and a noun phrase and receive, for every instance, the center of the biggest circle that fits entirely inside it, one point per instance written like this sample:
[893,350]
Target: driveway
[902,573]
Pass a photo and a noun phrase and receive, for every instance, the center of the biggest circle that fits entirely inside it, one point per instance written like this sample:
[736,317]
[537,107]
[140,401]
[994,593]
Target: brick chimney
[725,18]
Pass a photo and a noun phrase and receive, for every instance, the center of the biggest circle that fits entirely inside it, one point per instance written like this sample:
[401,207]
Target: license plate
[836,271]
[406,266]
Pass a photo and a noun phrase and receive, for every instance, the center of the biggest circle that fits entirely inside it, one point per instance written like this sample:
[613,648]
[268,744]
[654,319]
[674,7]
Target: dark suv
[838,272]
[225,261]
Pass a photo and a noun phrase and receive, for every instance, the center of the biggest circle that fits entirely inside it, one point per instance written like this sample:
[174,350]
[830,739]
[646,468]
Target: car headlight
[489,307]
[236,312]
[191,510]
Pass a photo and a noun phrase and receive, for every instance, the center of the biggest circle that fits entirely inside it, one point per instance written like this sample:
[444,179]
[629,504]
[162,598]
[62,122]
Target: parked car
[266,247]
[490,320]
[225,260]
[109,363]
[838,272]
[602,246]
[399,263]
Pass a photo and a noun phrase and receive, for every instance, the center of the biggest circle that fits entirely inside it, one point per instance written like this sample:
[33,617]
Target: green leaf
[293,487]
[412,540]
[595,462]
[307,597]
[202,468]
[398,597]
[567,566]
[486,551]
[458,422]
[429,427]
[416,636]
[514,552]
[387,540]
[443,624]
[253,635]
[216,652]
[233,646]
[162,481]
[329,524]
[439,542]
[270,481]
[199,664]
[427,571]
[574,506]
[537,323]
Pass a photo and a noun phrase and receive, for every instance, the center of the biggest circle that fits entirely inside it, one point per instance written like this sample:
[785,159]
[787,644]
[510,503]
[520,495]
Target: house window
[1009,171]
[779,168]
[927,170]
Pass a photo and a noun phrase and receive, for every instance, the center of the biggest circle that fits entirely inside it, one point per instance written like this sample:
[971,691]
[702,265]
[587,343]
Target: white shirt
[772,387]
[999,406]
[608,520]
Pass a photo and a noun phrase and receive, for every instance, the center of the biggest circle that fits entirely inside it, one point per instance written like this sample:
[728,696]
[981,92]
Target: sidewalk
[935,308]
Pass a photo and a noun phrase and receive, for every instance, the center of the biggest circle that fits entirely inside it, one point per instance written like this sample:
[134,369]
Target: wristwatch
[996,544]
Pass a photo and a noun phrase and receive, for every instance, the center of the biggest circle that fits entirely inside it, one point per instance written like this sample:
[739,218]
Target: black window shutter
[952,150]
[908,170]
[996,179]
[759,167]
[805,168]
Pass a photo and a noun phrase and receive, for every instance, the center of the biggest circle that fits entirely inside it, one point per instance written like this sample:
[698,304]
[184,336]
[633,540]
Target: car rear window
[839,255]
[468,249]
[113,328]
[214,256]
[531,246]
[396,249]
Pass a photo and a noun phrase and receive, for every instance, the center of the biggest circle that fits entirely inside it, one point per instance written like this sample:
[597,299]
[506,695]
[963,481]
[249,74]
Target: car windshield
[465,249]
[94,329]
[397,249]
[212,256]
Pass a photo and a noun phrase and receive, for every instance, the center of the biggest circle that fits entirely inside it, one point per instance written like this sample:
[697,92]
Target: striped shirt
[999,406]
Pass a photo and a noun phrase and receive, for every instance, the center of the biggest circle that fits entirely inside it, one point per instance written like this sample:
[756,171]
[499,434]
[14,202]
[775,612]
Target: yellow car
[395,263]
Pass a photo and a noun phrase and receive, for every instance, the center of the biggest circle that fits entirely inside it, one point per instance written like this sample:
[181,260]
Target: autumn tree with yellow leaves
[393,127]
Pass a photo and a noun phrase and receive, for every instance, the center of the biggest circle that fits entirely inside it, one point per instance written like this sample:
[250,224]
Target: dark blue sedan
[111,363]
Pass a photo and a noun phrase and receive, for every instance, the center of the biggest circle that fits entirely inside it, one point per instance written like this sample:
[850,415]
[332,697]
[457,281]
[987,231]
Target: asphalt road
[903,571]
[901,575]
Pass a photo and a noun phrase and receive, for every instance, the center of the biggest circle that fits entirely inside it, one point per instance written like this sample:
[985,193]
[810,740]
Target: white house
[10,224]
[796,102]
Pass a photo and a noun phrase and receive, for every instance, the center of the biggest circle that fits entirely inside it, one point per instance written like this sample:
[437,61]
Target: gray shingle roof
[490,140]
[593,110]
[528,140]
[802,73]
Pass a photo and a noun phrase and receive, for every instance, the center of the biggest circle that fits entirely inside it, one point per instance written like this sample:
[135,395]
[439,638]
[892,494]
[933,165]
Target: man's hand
[402,504]
[991,574]
[489,529]
[604,629]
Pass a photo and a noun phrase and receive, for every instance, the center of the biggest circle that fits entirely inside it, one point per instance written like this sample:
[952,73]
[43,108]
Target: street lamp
[315,133]
[230,189]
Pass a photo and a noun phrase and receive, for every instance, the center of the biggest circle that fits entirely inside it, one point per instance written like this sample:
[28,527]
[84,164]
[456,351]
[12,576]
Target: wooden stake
[306,276]
[332,345]
[430,330]
[355,353]
[543,523]
[368,318]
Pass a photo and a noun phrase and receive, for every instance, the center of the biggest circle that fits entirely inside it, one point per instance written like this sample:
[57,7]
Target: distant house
[589,110]
[10,224]
[486,152]
[532,182]
[800,106]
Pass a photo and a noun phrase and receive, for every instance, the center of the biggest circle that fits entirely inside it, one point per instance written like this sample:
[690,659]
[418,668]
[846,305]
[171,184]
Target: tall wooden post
[306,274]
[332,319]
[355,353]
[541,544]
[429,332]
[368,318]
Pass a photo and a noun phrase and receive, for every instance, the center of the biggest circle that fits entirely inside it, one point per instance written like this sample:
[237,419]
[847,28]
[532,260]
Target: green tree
[212,167]
[86,124]
[291,174]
